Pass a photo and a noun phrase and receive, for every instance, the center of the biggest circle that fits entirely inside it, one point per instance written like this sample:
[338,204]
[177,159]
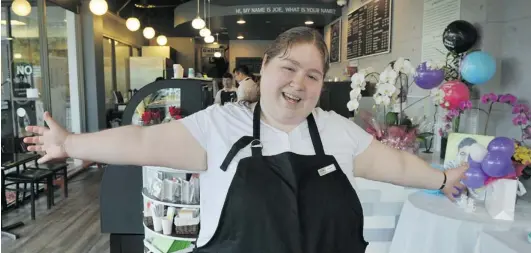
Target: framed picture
[458,147]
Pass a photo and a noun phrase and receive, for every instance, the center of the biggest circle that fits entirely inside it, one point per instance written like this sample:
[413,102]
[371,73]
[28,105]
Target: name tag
[325,170]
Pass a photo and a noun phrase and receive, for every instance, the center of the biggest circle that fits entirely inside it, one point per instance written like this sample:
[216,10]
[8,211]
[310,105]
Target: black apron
[228,96]
[287,203]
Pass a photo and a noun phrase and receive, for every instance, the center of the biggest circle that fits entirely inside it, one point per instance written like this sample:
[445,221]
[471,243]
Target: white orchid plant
[386,85]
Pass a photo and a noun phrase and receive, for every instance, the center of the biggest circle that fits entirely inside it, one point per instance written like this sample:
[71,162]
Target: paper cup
[157,224]
[166,226]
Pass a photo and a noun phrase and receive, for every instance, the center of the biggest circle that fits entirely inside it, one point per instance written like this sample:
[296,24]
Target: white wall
[246,48]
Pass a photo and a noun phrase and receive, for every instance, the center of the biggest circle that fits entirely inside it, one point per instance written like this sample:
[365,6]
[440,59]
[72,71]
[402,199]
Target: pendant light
[98,7]
[162,40]
[217,39]
[198,22]
[205,32]
[21,7]
[133,24]
[148,32]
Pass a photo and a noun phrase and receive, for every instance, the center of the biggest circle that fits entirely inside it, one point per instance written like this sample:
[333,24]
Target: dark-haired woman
[278,173]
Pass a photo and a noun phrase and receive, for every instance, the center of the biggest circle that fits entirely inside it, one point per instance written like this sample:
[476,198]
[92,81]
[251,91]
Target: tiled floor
[72,225]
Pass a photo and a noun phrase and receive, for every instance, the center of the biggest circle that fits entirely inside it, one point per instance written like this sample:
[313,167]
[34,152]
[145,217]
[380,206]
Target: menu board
[369,29]
[335,41]
[253,63]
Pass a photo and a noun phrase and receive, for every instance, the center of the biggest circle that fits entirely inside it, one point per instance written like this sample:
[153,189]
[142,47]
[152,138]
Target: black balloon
[459,36]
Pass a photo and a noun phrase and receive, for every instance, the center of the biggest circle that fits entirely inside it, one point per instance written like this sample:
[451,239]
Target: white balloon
[478,152]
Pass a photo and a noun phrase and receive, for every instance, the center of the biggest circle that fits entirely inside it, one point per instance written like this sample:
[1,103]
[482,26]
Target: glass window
[108,72]
[27,66]
[56,30]
[122,53]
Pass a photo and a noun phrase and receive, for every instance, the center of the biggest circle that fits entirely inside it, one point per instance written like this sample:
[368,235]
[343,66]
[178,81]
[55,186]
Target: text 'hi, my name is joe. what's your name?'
[264,10]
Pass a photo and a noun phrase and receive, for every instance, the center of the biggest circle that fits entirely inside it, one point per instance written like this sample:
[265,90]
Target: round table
[430,223]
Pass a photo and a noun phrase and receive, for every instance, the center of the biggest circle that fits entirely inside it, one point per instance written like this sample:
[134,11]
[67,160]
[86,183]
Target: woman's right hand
[50,140]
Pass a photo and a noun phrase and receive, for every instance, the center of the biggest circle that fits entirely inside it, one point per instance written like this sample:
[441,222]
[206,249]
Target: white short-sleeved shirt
[217,128]
[247,90]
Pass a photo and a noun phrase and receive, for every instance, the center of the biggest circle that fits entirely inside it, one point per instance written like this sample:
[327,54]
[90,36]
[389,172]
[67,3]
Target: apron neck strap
[256,145]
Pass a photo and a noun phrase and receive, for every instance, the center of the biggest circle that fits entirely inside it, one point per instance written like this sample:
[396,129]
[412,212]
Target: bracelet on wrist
[444,181]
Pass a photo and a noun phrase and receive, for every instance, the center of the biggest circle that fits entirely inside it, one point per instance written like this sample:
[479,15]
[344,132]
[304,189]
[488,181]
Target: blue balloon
[478,67]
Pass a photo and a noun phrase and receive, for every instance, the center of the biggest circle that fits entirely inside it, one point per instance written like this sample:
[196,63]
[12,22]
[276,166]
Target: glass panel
[160,107]
[27,69]
[56,29]
[107,70]
[7,118]
[122,53]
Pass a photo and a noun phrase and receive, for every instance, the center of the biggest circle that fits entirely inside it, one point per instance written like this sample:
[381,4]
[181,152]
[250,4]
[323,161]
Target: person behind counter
[277,172]
[248,90]
[228,93]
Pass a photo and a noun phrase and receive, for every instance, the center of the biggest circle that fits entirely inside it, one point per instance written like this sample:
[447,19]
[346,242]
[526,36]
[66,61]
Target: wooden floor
[72,225]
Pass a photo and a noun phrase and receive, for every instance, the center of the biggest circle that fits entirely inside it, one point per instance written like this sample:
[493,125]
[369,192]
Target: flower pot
[444,142]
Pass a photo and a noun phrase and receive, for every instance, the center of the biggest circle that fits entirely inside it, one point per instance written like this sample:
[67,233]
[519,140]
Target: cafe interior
[446,80]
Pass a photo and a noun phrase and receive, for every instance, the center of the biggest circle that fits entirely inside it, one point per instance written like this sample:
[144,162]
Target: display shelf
[154,249]
[155,201]
[173,236]
[170,170]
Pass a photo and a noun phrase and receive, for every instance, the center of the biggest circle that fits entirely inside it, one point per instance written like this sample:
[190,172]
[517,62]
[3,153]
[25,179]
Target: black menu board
[369,29]
[253,63]
[335,41]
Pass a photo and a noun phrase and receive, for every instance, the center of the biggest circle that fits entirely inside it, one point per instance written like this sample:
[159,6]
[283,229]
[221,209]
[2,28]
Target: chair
[31,177]
[58,169]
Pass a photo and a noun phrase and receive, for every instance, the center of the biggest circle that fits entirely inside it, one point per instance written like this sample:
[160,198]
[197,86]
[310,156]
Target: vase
[444,142]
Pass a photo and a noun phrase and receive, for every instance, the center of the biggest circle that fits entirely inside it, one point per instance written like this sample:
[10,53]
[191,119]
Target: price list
[369,29]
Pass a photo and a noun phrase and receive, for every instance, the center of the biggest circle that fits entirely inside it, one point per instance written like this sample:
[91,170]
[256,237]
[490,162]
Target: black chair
[33,178]
[58,169]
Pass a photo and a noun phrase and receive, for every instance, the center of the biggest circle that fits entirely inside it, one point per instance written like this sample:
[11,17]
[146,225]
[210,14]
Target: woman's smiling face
[291,83]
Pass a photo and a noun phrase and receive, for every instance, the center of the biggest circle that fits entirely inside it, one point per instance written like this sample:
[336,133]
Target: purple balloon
[475,177]
[502,144]
[496,164]
[472,163]
[427,78]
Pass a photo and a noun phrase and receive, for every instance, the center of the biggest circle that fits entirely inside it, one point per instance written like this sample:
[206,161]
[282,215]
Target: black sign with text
[335,41]
[253,63]
[287,9]
[369,29]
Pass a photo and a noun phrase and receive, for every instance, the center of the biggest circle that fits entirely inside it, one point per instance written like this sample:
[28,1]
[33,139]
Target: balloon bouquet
[475,67]
[490,163]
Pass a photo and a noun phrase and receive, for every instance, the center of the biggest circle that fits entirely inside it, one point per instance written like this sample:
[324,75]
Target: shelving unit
[169,203]
[154,249]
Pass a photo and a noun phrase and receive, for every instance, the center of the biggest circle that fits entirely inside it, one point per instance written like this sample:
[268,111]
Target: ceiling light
[17,56]
[133,24]
[198,23]
[98,7]
[241,21]
[204,32]
[309,22]
[217,54]
[240,37]
[162,40]
[148,33]
[209,39]
[21,7]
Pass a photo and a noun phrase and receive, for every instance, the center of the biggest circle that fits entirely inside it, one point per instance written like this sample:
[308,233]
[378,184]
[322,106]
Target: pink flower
[441,132]
[453,113]
[519,120]
[489,98]
[508,99]
[520,108]
[465,105]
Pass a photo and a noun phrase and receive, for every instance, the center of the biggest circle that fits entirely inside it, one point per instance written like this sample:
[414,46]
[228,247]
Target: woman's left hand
[454,187]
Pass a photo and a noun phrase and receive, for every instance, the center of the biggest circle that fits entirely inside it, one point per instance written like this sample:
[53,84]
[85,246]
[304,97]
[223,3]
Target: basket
[186,226]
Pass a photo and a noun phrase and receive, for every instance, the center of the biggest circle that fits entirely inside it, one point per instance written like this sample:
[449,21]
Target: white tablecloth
[433,224]
[512,241]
